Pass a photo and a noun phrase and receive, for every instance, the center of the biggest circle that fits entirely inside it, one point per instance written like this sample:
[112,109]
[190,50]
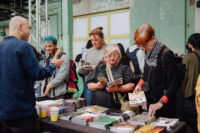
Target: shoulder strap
[196,55]
[162,53]
[60,54]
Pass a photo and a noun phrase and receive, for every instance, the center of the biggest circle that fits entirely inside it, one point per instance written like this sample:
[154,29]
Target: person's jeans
[38,91]
[87,94]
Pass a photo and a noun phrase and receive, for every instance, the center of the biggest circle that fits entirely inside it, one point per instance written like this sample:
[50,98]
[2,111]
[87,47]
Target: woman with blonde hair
[104,95]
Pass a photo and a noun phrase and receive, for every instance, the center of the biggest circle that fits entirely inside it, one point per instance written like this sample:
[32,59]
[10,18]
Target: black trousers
[191,113]
[24,125]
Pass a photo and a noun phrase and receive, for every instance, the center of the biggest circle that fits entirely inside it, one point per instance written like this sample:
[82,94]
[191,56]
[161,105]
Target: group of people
[147,66]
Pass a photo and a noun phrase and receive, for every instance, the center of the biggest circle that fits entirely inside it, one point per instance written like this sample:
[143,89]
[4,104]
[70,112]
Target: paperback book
[84,119]
[142,119]
[124,127]
[169,123]
[69,116]
[115,82]
[151,129]
[104,122]
[96,109]
[137,99]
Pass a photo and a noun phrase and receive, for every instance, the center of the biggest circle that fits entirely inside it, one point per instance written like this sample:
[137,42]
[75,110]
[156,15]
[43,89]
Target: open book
[137,99]
[115,82]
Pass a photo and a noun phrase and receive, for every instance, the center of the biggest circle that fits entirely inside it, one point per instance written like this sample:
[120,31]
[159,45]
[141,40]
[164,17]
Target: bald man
[19,69]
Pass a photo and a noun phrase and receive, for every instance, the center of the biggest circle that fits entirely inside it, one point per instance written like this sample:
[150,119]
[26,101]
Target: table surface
[62,126]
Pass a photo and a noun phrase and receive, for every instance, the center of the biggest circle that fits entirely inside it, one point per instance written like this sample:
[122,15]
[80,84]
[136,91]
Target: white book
[169,123]
[137,99]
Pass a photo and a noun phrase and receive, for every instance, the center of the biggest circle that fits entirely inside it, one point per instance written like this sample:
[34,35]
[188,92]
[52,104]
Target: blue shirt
[19,69]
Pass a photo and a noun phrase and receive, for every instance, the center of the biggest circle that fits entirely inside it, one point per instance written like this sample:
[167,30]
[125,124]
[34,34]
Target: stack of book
[124,127]
[151,129]
[83,102]
[84,119]
[137,99]
[83,109]
[122,115]
[72,104]
[69,116]
[142,119]
[169,123]
[104,122]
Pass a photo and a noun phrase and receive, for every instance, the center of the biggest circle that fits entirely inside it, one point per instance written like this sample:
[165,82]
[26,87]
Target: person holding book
[105,93]
[160,77]
[95,54]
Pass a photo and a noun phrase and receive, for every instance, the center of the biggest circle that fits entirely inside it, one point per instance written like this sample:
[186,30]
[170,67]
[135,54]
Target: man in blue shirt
[19,69]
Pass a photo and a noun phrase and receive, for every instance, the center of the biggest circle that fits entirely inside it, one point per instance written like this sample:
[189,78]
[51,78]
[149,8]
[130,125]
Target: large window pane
[124,42]
[119,23]
[99,21]
[77,48]
[80,27]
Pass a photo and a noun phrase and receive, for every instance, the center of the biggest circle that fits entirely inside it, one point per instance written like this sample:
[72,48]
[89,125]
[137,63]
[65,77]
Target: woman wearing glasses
[104,95]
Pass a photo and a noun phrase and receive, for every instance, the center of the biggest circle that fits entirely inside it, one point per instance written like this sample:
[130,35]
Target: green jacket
[192,72]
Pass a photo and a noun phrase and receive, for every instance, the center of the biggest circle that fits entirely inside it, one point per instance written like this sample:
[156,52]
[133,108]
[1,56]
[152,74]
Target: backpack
[134,60]
[181,68]
[71,82]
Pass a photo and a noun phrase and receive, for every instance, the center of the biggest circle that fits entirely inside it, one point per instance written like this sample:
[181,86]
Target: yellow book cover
[151,129]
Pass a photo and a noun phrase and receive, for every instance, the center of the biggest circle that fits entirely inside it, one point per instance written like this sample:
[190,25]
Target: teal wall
[190,18]
[169,19]
[173,20]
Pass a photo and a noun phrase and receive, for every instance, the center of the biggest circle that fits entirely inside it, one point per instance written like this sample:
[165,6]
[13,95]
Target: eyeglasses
[113,55]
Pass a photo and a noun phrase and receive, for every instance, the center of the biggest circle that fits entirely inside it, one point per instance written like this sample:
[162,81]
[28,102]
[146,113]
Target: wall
[82,7]
[197,18]
[169,19]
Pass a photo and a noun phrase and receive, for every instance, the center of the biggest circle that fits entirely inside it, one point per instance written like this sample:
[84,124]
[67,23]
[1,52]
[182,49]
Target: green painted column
[67,26]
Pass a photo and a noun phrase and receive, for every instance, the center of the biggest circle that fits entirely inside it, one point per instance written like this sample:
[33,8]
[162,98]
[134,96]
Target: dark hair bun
[101,28]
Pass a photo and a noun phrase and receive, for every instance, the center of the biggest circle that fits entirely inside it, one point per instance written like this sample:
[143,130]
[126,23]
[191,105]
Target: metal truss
[38,19]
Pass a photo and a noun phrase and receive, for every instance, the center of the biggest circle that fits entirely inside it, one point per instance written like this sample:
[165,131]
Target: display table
[62,126]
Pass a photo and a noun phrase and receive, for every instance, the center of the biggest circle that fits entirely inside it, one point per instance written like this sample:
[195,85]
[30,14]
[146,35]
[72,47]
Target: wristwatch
[161,101]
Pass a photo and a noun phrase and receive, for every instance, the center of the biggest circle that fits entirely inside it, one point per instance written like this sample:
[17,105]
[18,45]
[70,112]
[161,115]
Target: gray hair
[15,21]
[110,48]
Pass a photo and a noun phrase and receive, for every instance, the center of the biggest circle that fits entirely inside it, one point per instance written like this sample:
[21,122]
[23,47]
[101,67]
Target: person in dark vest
[160,78]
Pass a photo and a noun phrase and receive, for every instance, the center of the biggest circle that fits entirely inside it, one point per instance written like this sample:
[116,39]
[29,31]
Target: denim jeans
[87,94]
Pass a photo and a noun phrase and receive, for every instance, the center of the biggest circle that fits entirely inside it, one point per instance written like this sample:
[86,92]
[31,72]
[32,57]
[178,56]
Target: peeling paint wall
[82,7]
[168,17]
[190,18]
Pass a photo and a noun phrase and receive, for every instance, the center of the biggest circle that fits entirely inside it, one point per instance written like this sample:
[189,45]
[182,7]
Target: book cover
[151,129]
[142,119]
[104,122]
[84,119]
[96,109]
[137,99]
[115,82]
[69,116]
[169,123]
[124,127]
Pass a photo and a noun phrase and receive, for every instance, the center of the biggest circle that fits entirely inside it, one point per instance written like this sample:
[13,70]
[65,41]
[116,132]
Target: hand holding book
[115,85]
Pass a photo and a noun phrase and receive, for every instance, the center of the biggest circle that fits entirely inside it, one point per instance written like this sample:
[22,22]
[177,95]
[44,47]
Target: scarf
[151,57]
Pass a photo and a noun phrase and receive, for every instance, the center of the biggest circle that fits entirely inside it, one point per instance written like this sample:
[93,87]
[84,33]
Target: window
[116,28]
